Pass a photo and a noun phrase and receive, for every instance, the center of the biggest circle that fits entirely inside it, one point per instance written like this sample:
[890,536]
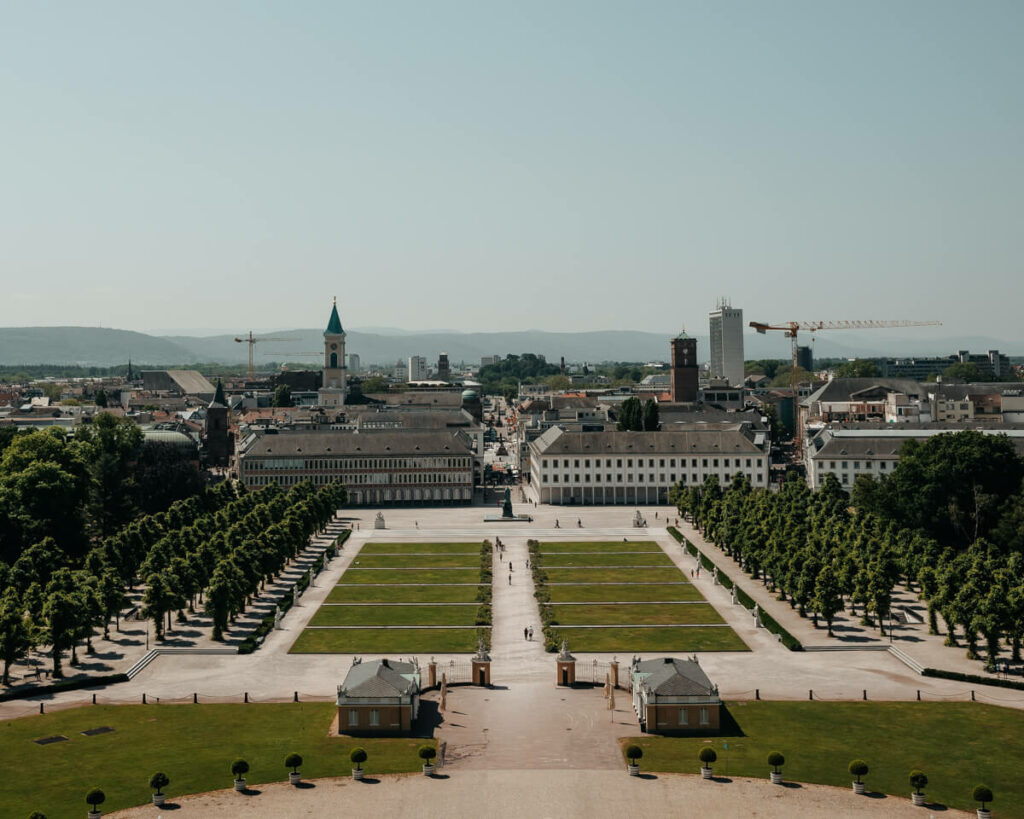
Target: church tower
[332,390]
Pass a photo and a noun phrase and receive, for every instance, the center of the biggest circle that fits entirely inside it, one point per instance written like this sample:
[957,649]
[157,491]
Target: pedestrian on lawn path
[531,632]
[526,633]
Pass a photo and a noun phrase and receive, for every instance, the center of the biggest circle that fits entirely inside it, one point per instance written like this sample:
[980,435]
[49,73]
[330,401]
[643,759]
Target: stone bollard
[143,698]
[918,694]
[93,699]
[972,696]
[41,709]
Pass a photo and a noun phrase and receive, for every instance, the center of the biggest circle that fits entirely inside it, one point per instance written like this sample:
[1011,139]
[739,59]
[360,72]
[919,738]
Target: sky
[507,166]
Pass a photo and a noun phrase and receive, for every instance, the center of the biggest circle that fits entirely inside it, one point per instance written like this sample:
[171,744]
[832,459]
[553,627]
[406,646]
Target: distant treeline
[20,373]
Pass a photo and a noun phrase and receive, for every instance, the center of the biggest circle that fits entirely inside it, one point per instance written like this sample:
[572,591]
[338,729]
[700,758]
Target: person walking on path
[526,633]
[510,580]
[530,637]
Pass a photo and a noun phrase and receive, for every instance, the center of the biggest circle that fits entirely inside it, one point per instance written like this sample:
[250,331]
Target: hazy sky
[484,165]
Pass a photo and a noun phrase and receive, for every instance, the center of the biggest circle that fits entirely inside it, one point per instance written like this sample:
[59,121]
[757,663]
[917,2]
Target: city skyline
[233,166]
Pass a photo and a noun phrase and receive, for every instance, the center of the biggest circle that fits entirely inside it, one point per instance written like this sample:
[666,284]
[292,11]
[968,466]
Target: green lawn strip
[674,640]
[416,561]
[606,559]
[611,592]
[415,576]
[420,548]
[402,594]
[386,641]
[193,744]
[653,574]
[957,745]
[678,613]
[600,546]
[395,615]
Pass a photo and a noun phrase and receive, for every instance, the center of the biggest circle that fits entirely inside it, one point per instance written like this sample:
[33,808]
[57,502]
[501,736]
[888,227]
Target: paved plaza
[525,722]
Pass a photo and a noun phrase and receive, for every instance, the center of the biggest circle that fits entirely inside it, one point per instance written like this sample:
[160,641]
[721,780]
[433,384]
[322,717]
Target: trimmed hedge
[972,678]
[769,622]
[64,685]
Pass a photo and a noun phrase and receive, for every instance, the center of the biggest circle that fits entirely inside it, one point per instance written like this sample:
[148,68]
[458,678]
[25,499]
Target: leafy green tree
[858,368]
[651,421]
[962,371]
[14,634]
[101,398]
[631,415]
[282,396]
[115,443]
[827,599]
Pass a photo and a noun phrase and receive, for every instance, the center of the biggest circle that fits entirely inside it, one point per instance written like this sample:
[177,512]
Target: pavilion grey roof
[557,441]
[378,678]
[884,448]
[391,442]
[191,382]
[840,389]
[668,676]
[886,442]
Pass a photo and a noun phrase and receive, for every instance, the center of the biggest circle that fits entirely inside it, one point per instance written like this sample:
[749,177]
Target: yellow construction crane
[791,328]
[252,340]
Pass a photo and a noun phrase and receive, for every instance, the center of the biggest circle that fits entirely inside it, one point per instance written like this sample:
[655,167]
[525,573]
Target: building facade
[726,325]
[615,467]
[418,368]
[674,697]
[379,698]
[390,467]
[684,373]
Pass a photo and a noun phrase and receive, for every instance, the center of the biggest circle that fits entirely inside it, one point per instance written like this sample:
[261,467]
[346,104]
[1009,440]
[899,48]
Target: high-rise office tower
[726,324]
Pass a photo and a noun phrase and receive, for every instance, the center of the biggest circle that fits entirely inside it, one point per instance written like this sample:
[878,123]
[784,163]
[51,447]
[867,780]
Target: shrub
[159,781]
[707,755]
[358,757]
[983,794]
[633,753]
[918,780]
[858,768]
[239,768]
[776,760]
[293,761]
[95,797]
[427,753]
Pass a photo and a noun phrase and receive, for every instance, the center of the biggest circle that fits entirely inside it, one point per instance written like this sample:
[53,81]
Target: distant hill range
[99,346]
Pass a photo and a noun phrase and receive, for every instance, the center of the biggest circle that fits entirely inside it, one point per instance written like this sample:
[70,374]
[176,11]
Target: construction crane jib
[252,341]
[791,330]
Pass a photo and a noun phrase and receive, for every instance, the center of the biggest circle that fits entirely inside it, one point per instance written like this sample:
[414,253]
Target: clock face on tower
[334,346]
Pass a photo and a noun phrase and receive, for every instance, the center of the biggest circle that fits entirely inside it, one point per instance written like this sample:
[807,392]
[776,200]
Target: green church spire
[334,325]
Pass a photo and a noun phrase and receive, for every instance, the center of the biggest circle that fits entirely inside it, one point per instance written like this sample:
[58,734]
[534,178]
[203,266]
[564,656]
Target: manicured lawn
[610,615]
[600,546]
[654,574]
[408,593]
[420,548]
[386,641]
[193,744]
[675,640]
[607,559]
[417,561]
[395,615]
[957,745]
[417,576]
[613,592]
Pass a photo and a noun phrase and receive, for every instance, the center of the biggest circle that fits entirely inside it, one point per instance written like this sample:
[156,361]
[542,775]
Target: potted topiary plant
[158,782]
[858,768]
[633,753]
[358,757]
[427,753]
[918,780]
[708,756]
[293,761]
[239,768]
[94,799]
[776,760]
[983,794]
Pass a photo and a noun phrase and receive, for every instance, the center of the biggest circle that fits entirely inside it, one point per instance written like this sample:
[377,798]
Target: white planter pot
[917,798]
[428,770]
[634,770]
[357,773]
[240,784]
[706,772]
[984,813]
[776,777]
[158,799]
[294,778]
[858,787]
[95,814]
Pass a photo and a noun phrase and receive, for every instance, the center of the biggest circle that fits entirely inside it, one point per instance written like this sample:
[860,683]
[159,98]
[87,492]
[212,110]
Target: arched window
[334,360]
